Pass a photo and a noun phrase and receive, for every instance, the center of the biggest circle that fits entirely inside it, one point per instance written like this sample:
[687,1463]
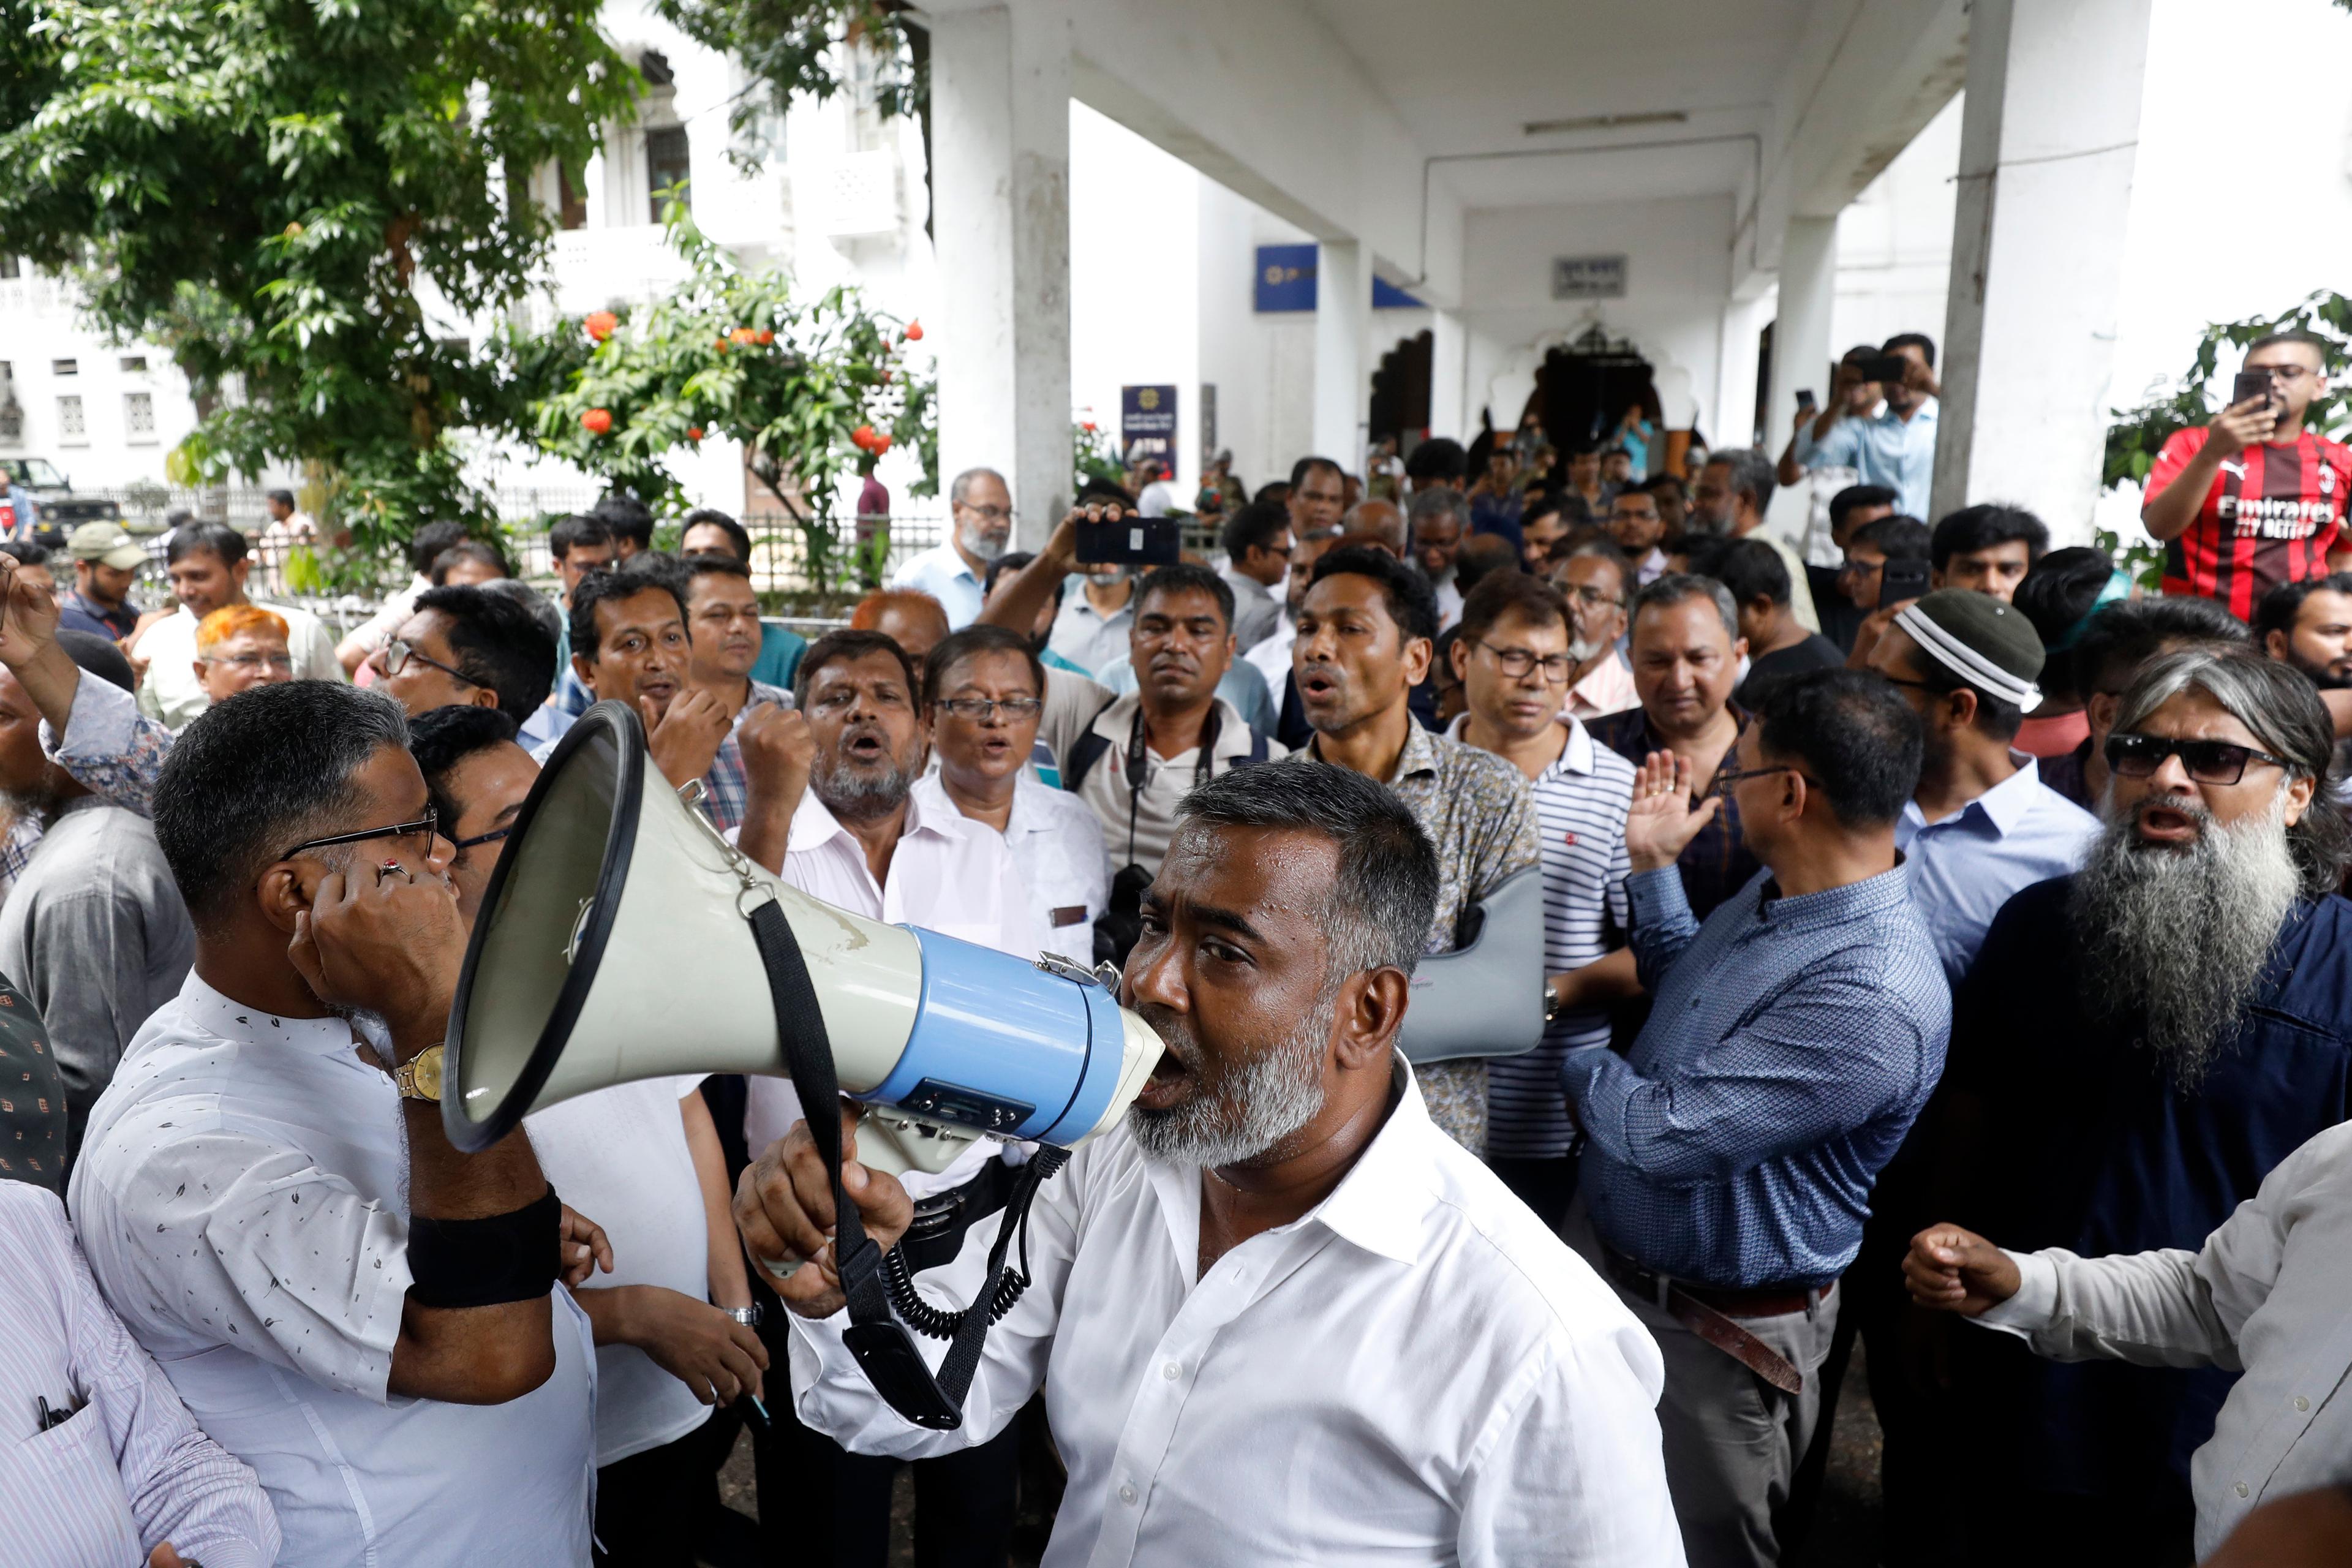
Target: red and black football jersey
[2272,516]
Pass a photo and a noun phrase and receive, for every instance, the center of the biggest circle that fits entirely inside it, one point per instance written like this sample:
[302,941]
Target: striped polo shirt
[1581,804]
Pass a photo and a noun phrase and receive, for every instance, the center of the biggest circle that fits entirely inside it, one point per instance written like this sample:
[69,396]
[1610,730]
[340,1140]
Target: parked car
[62,511]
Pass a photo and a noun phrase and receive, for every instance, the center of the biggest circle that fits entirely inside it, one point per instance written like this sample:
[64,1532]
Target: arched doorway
[1401,390]
[1585,386]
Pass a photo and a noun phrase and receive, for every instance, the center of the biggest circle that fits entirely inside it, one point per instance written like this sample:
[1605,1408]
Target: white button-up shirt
[1059,846]
[945,576]
[241,1194]
[1415,1371]
[2266,1295]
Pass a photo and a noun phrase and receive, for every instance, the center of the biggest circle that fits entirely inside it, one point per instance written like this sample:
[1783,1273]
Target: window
[139,416]
[71,430]
[666,164]
[64,367]
[134,364]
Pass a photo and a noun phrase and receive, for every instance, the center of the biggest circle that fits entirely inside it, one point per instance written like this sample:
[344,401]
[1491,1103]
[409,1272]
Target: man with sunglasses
[1729,1155]
[2134,1049]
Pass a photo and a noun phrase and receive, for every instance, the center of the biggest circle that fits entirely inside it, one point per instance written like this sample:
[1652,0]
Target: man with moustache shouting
[1277,1315]
[2135,1047]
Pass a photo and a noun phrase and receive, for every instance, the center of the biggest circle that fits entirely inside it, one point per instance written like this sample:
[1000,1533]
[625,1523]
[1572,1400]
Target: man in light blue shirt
[979,509]
[1894,447]
[1982,826]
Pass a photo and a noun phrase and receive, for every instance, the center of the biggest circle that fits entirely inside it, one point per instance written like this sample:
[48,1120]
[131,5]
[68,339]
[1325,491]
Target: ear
[484,697]
[282,894]
[1739,649]
[1963,708]
[2101,710]
[2274,643]
[241,571]
[1935,577]
[586,671]
[1458,656]
[1417,652]
[1364,1023]
[2298,798]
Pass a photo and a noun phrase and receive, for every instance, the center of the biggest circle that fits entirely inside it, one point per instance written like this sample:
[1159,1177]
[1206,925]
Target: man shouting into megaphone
[1286,1318]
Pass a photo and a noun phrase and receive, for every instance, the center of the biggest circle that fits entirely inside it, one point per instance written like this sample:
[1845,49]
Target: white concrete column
[1449,377]
[1343,308]
[1001,226]
[2048,149]
[1801,334]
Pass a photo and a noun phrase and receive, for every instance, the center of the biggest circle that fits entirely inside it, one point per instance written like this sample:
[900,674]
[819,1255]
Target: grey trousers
[1732,1441]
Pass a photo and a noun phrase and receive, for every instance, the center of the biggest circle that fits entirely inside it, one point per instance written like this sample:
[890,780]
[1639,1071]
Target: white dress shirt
[1271,657]
[128,1468]
[945,576]
[1059,846]
[2266,1296]
[241,1194]
[170,692]
[1415,1371]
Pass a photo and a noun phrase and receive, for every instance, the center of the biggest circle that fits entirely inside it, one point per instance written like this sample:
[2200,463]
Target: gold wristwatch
[419,1078]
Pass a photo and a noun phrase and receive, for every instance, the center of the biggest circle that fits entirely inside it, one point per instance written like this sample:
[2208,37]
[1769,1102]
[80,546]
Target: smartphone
[1805,398]
[2249,384]
[1901,580]
[1132,541]
[1884,368]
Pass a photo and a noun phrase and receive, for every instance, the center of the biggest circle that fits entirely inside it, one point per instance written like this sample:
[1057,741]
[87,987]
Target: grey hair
[1751,472]
[1384,899]
[2282,710]
[961,485]
[256,775]
[1436,501]
[1675,587]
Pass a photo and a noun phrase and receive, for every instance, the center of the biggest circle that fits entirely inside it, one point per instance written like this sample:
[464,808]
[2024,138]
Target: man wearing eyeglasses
[1597,578]
[980,509]
[240,647]
[2254,500]
[2134,1049]
[722,617]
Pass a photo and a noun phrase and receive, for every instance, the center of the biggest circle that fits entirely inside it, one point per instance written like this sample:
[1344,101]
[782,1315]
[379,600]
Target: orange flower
[744,335]
[881,443]
[763,337]
[863,438]
[694,432]
[914,332]
[600,324]
[597,421]
[722,345]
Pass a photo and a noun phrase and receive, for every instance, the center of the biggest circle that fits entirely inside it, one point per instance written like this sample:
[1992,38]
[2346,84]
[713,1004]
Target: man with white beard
[981,511]
[1278,1316]
[2135,1047]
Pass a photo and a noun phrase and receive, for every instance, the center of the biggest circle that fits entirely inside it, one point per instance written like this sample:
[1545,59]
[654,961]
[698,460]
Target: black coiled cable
[934,1323]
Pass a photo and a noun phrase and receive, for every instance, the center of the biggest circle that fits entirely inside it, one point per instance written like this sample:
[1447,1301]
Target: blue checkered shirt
[725,789]
[1792,1043]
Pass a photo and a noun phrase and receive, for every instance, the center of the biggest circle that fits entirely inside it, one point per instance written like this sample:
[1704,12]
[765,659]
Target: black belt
[1710,1313]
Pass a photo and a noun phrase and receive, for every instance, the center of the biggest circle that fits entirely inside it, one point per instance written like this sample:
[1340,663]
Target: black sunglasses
[430,824]
[2208,762]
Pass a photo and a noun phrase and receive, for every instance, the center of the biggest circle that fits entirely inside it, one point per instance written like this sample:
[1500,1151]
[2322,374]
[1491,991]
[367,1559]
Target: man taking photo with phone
[2254,500]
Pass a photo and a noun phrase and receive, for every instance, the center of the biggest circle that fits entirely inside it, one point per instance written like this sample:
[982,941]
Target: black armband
[513,1257]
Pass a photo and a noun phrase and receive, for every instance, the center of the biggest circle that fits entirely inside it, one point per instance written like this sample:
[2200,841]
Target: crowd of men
[1936,927]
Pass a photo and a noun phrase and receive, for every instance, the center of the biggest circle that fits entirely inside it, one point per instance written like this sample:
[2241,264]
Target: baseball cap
[108,544]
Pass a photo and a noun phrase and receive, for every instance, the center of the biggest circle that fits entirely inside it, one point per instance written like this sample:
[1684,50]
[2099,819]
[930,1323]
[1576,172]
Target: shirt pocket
[80,1512]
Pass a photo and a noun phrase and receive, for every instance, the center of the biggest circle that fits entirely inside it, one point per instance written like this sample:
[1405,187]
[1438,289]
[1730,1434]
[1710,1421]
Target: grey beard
[1580,650]
[2180,938]
[986,547]
[1245,1114]
[856,797]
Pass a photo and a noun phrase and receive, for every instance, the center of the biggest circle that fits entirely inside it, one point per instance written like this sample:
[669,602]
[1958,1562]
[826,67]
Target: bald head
[1377,522]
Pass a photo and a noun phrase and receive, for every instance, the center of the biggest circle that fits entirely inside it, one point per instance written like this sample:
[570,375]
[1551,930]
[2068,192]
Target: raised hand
[1663,819]
[2241,425]
[686,739]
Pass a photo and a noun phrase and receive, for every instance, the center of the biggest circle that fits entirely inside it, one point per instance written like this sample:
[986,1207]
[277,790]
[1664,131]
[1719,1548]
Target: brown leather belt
[1710,1312]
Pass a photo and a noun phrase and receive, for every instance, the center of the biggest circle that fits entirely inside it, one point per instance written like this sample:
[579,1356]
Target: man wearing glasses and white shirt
[979,509]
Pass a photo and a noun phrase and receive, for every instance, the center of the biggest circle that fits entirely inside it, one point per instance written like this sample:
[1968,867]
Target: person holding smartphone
[2254,500]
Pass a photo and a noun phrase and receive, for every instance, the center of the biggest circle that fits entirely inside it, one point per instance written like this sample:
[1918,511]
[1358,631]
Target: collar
[1576,757]
[233,1021]
[1831,906]
[813,824]
[1419,756]
[760,691]
[2005,805]
[1086,606]
[1233,730]
[80,803]
[1887,415]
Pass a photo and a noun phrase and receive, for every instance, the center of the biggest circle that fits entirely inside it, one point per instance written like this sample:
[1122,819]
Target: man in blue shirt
[2135,1050]
[1795,1036]
[980,509]
[1895,446]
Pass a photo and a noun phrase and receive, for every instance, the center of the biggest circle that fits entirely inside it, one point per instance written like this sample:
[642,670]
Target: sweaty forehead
[868,669]
[1685,624]
[1278,879]
[645,611]
[1347,591]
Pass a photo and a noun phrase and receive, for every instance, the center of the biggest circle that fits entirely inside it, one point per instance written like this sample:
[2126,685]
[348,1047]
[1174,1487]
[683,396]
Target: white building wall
[56,368]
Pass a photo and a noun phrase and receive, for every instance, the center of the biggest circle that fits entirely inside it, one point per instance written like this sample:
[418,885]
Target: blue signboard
[1285,278]
[1387,296]
[1146,424]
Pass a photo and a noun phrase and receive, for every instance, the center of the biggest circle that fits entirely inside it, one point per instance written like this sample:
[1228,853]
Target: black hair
[1439,458]
[1853,498]
[218,538]
[2128,632]
[1898,538]
[574,531]
[1411,604]
[429,544]
[1483,555]
[1180,577]
[1657,482]
[1920,341]
[2277,610]
[1275,491]
[626,581]
[1253,527]
[1859,742]
[1305,466]
[1540,504]
[260,773]
[1378,911]
[1108,491]
[25,552]
[627,517]
[468,550]
[99,656]
[1983,527]
[2309,340]
[1752,569]
[283,498]
[711,517]
[977,639]
[498,642]
[1013,561]
[538,605]
[2063,586]
[1502,594]
[839,646]
[709,565]
[446,737]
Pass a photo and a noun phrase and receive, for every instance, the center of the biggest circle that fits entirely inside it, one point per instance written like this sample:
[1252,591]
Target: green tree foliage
[2139,433]
[1092,457]
[306,201]
[792,47]
[812,391]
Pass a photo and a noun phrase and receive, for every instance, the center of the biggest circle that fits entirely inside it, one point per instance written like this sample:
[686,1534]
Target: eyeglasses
[396,655]
[1854,568]
[427,826]
[983,710]
[1593,598]
[1726,777]
[1518,663]
[987,514]
[492,836]
[2208,762]
[2289,373]
[279,661]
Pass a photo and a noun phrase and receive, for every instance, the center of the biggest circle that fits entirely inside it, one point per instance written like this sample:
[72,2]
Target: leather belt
[1710,1313]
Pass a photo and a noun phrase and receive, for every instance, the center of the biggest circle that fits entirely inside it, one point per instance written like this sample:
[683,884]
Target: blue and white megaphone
[616,942]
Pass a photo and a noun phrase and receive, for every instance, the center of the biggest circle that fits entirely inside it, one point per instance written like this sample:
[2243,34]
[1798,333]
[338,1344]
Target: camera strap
[885,1352]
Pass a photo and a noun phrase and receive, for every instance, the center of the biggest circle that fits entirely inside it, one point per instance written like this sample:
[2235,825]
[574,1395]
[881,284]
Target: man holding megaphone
[1285,1318]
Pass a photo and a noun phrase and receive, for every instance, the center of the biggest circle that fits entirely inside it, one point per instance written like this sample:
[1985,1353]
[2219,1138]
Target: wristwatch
[1551,1001]
[419,1078]
[748,1316]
